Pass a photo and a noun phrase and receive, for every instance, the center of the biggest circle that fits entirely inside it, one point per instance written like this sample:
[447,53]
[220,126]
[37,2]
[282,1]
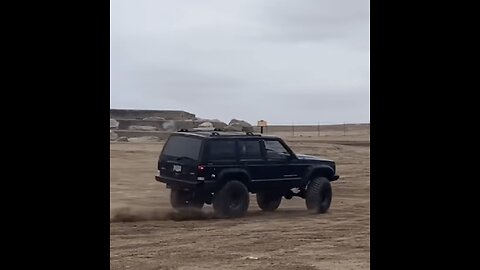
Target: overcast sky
[284,61]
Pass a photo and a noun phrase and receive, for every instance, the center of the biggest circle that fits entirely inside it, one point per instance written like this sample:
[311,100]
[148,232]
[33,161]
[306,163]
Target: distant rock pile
[202,123]
[113,135]
[238,125]
[154,118]
[144,139]
[206,125]
[144,128]
[113,124]
[151,126]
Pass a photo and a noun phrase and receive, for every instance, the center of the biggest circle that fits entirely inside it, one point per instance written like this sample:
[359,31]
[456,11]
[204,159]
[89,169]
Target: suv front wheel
[319,195]
[231,200]
[180,199]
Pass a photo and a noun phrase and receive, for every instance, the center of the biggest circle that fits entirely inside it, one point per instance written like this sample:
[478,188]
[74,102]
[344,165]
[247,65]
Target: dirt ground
[145,233]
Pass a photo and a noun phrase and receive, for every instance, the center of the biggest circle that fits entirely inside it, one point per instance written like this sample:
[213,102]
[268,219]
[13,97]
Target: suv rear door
[252,159]
[219,154]
[180,157]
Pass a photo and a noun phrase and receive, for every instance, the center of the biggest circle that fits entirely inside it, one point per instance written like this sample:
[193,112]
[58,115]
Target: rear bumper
[185,184]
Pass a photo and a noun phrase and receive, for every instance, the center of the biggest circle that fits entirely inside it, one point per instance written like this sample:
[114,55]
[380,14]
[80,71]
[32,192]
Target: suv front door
[279,164]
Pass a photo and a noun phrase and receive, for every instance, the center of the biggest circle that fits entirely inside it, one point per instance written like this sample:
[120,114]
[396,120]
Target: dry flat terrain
[145,233]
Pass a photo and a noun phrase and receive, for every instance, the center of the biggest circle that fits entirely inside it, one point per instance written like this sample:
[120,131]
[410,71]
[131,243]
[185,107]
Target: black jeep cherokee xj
[222,168]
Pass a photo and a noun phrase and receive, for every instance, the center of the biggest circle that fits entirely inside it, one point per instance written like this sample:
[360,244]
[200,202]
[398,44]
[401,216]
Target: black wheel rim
[235,199]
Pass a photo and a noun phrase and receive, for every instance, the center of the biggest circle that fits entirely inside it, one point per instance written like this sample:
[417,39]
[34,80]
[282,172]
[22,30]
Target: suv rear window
[183,146]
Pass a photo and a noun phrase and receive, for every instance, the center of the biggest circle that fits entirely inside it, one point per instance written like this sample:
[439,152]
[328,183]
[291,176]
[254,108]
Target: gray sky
[302,61]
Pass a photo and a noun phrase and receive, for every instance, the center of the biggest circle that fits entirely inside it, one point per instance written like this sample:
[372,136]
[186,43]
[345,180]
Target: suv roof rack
[215,132]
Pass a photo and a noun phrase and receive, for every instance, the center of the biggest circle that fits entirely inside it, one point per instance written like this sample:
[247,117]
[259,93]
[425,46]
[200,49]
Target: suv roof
[221,134]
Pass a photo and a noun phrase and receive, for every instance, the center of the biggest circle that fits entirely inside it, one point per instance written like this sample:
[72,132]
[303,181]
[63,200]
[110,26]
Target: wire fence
[316,130]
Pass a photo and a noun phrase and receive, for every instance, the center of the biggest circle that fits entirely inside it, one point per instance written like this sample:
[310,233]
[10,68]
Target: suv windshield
[182,147]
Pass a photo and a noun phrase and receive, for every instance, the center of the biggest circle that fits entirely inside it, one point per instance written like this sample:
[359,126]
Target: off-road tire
[319,195]
[268,202]
[232,200]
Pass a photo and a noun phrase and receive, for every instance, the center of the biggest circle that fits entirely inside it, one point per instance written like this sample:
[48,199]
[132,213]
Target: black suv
[222,168]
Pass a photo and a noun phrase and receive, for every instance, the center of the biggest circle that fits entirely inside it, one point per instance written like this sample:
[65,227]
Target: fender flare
[222,177]
[327,171]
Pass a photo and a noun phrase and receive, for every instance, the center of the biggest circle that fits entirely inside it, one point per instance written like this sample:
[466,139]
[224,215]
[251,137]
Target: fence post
[318,129]
[293,130]
[344,128]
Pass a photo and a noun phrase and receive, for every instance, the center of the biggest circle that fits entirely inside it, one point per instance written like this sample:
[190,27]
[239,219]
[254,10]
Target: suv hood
[302,156]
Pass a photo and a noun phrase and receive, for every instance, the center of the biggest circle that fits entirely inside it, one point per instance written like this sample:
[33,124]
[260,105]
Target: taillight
[201,168]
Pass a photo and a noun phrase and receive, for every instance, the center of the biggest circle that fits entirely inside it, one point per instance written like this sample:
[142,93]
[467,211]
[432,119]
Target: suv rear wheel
[319,195]
[180,199]
[232,200]
[268,202]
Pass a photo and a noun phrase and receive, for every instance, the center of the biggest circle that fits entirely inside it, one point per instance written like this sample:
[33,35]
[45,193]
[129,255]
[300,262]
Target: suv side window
[222,150]
[275,150]
[250,149]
